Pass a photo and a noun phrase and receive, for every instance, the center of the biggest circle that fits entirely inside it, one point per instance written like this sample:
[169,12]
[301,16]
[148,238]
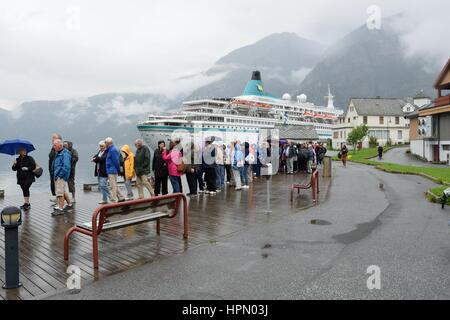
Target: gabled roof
[298,133]
[416,112]
[441,76]
[378,106]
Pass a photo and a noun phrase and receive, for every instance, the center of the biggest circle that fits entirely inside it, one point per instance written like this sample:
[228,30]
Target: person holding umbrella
[24,165]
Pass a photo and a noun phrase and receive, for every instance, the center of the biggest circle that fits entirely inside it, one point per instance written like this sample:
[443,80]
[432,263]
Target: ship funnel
[254,86]
[256,75]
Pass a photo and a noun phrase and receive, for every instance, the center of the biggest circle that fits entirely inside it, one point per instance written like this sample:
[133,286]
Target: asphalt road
[369,218]
[399,155]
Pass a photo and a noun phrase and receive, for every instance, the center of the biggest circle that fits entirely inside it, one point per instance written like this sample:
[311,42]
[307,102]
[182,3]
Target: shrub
[373,142]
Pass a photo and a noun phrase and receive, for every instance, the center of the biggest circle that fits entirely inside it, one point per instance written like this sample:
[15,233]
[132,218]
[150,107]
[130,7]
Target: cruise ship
[240,118]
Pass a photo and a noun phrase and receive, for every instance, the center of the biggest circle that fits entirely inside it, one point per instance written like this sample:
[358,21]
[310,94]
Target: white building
[385,119]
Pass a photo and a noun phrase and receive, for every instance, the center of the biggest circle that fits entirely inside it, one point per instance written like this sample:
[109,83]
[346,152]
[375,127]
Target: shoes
[201,191]
[129,199]
[53,200]
[213,193]
[238,189]
[57,211]
[25,206]
[68,207]
[73,201]
[102,202]
[245,187]
[206,191]
[121,200]
[193,195]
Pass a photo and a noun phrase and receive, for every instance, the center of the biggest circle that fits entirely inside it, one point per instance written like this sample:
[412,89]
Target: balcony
[442,101]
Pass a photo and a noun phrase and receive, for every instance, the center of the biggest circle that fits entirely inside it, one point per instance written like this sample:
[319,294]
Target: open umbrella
[12,147]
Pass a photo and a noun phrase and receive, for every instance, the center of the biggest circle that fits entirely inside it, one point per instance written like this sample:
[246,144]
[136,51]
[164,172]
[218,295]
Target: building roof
[298,133]
[437,83]
[416,112]
[378,106]
[421,95]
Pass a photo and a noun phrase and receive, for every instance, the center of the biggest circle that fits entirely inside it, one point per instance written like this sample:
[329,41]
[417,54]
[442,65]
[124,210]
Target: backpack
[122,163]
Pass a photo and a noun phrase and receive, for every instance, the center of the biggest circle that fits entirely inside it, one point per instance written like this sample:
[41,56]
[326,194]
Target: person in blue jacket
[61,173]
[113,169]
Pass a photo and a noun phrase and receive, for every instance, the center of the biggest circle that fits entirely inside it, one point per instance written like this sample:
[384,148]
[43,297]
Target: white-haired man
[113,169]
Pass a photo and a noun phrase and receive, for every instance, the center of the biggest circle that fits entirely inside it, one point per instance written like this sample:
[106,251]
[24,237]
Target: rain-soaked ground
[43,269]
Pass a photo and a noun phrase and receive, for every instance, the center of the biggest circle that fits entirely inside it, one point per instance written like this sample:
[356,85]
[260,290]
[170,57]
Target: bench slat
[127,222]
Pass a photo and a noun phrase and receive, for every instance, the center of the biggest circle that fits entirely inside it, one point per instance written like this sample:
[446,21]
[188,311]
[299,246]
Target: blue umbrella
[12,147]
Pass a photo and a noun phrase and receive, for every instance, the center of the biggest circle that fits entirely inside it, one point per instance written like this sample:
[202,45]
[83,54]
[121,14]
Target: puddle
[320,222]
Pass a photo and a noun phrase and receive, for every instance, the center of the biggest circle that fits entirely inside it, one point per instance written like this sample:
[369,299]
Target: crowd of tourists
[207,168]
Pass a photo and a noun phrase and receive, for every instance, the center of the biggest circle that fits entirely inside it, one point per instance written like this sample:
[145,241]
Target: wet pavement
[399,156]
[357,225]
[211,218]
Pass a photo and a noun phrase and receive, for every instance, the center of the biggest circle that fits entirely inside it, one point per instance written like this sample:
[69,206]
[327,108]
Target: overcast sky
[58,49]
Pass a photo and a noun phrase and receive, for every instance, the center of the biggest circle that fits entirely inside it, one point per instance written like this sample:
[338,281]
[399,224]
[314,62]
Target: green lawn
[439,175]
[439,191]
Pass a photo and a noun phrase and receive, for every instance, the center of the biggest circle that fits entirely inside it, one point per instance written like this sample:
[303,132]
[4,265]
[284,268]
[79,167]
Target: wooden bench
[313,184]
[111,217]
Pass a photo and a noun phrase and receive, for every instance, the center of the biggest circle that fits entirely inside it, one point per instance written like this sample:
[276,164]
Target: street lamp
[11,219]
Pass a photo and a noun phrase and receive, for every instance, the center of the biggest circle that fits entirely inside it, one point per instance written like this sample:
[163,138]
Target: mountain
[84,120]
[367,63]
[283,58]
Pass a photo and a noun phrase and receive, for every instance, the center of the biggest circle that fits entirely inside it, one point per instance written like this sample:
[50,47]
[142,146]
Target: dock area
[42,265]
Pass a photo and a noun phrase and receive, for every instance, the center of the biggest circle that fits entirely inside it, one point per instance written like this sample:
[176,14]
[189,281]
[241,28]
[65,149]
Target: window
[365,119]
[446,147]
[348,120]
[397,120]
[340,134]
[381,120]
[336,135]
[400,135]
[379,134]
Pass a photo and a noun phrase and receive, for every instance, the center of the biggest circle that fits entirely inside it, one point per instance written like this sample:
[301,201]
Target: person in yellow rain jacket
[128,170]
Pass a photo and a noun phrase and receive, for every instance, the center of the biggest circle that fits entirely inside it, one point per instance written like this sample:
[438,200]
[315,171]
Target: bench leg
[95,250]
[66,243]
[158,227]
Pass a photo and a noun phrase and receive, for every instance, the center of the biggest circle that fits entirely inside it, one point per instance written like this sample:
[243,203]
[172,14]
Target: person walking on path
[209,165]
[344,155]
[159,167]
[51,159]
[173,158]
[142,168]
[24,165]
[74,154]
[380,152]
[128,170]
[193,155]
[113,169]
[61,175]
[237,157]
[100,172]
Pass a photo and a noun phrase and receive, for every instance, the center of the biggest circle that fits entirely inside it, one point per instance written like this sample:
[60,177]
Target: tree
[357,135]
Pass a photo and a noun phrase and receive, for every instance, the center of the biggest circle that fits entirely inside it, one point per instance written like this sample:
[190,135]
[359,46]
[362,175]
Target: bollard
[327,167]
[11,219]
